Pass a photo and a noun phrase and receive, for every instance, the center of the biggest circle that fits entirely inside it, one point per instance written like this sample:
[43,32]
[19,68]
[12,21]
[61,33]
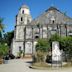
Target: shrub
[3,50]
[43,45]
[66,45]
[54,37]
[42,48]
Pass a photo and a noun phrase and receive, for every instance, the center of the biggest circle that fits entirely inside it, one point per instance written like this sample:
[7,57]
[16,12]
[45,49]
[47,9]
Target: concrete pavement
[22,65]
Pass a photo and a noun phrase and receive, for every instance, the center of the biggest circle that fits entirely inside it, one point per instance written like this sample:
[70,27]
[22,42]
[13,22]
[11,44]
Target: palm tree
[1,28]
[1,24]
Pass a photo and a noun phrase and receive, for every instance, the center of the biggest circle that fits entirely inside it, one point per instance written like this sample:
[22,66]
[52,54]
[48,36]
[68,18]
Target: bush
[40,56]
[3,50]
[43,45]
[66,45]
[42,48]
[54,37]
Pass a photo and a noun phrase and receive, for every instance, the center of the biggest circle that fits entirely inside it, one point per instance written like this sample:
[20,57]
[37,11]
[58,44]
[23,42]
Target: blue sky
[9,9]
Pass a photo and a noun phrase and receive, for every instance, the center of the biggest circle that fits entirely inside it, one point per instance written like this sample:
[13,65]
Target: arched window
[21,19]
[36,37]
[23,12]
[19,48]
[53,21]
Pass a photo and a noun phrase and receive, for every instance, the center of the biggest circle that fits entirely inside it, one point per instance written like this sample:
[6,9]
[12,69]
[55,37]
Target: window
[36,37]
[19,48]
[23,12]
[53,21]
[28,21]
[21,19]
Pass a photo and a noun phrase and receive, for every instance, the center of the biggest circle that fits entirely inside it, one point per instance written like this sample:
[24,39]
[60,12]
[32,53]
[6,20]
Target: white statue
[56,53]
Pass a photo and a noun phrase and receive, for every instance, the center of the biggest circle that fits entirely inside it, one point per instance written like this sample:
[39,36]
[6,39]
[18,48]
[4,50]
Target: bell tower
[22,19]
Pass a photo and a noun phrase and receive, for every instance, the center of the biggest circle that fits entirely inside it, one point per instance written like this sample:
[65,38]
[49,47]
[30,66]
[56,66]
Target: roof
[45,17]
[52,8]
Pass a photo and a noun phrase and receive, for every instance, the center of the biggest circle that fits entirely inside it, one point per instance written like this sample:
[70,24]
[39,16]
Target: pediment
[52,14]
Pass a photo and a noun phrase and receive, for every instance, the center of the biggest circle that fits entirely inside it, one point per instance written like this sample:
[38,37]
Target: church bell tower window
[21,19]
[23,12]
[53,21]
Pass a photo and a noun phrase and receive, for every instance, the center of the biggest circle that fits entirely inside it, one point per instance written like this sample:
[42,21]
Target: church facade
[28,31]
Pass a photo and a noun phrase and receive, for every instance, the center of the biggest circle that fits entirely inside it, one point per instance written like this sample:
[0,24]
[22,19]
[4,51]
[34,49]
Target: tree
[66,45]
[43,45]
[42,49]
[54,37]
[1,28]
[3,50]
[1,24]
[8,37]
[3,46]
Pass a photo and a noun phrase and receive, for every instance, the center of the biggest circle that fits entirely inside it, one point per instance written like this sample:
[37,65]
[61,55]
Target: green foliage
[20,53]
[40,56]
[8,37]
[43,45]
[42,48]
[1,29]
[66,45]
[0,36]
[1,24]
[54,37]
[38,25]
[3,49]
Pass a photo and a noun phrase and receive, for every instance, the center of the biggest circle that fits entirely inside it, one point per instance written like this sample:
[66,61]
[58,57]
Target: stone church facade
[28,31]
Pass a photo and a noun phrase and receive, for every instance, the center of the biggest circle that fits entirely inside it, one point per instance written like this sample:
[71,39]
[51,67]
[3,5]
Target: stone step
[28,56]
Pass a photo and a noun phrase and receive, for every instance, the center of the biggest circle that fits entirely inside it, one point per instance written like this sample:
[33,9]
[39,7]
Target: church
[27,30]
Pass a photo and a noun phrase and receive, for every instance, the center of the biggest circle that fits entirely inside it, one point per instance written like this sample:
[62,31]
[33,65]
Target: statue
[56,53]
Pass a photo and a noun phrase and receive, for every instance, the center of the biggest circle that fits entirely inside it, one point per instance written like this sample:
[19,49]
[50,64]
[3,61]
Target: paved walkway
[22,65]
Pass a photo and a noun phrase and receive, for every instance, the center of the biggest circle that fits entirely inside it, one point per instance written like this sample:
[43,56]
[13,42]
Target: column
[24,39]
[47,30]
[60,30]
[32,41]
